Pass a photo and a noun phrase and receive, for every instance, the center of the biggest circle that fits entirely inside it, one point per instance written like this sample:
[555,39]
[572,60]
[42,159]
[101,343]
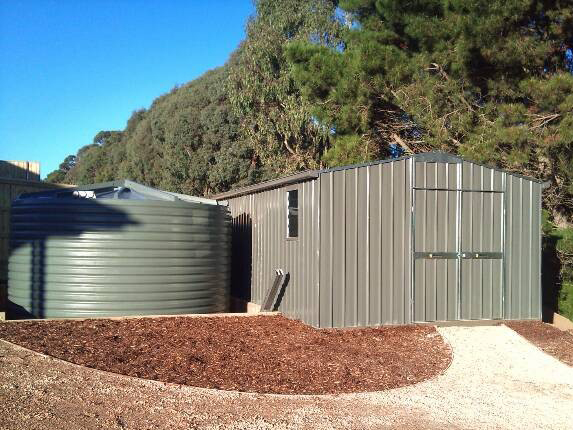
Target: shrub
[564,248]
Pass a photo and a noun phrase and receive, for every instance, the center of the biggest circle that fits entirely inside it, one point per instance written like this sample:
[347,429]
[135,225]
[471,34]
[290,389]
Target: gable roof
[428,157]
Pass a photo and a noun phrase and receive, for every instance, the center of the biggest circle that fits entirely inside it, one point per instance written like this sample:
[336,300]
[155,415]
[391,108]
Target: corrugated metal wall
[259,241]
[352,264]
[523,251]
[492,268]
[365,245]
[73,257]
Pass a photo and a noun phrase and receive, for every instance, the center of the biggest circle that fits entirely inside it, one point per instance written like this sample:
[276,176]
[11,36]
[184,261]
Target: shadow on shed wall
[241,257]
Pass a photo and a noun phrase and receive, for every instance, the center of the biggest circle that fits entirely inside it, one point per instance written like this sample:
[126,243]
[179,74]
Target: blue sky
[70,68]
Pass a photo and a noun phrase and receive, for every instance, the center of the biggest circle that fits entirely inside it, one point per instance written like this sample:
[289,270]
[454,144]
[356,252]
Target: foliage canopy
[324,83]
[187,142]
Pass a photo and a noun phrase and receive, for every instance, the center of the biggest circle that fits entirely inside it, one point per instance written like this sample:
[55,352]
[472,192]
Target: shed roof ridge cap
[431,156]
[304,175]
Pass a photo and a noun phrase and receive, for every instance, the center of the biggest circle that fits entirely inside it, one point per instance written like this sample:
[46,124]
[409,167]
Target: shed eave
[268,185]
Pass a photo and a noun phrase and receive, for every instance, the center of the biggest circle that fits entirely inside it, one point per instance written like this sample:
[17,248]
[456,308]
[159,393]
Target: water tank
[117,249]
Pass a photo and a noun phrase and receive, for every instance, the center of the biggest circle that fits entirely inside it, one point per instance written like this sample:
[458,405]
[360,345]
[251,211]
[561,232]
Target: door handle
[481,255]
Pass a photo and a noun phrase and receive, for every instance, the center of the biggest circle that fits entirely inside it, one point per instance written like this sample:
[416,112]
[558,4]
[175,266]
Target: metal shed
[428,237]
[117,248]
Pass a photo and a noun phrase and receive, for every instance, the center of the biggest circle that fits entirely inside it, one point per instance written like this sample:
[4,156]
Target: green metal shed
[428,237]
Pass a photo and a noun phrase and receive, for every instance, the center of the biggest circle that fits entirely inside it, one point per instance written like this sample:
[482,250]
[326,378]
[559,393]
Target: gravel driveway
[497,380]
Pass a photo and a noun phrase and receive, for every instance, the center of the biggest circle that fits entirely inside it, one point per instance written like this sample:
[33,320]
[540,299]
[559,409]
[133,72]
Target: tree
[187,141]
[321,82]
[68,163]
[203,151]
[59,175]
[485,79]
[275,120]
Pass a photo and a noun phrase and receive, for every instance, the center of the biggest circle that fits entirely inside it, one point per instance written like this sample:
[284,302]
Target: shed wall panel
[386,242]
[351,249]
[365,245]
[375,240]
[523,244]
[326,259]
[260,246]
[481,178]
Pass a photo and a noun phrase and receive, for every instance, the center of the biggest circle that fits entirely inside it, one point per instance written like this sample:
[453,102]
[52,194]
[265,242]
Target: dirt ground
[263,354]
[497,380]
[553,341]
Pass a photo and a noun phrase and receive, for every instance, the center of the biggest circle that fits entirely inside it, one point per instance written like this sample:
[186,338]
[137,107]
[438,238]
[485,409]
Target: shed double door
[458,255]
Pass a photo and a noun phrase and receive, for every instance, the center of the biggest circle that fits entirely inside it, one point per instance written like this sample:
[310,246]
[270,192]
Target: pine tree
[487,79]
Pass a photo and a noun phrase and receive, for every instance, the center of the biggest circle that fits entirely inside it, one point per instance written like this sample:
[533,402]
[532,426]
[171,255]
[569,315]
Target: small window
[292,213]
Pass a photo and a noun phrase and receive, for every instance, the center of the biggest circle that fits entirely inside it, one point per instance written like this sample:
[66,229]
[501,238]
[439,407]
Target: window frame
[288,213]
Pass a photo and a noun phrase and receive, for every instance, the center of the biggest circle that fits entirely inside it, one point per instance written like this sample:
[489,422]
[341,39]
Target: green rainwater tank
[117,249]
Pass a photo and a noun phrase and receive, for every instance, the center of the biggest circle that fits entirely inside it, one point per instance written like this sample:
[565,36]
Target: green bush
[565,242]
[564,247]
[566,300]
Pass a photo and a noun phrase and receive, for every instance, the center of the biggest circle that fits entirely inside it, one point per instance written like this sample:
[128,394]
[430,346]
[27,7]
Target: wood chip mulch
[550,339]
[264,354]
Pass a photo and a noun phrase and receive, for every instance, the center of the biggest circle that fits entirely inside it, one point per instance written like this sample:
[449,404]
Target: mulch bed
[264,354]
[550,339]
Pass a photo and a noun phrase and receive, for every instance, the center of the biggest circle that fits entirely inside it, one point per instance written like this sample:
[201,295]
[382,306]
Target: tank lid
[123,189]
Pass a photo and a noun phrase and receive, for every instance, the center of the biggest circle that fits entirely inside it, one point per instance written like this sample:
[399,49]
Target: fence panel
[24,170]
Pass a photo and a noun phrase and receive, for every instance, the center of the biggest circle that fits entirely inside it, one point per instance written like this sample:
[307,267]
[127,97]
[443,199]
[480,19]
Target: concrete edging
[218,315]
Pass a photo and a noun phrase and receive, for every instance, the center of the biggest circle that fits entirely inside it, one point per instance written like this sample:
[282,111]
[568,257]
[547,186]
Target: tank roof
[124,189]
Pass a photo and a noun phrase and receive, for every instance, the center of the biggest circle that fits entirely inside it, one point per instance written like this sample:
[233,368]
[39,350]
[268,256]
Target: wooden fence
[9,190]
[24,170]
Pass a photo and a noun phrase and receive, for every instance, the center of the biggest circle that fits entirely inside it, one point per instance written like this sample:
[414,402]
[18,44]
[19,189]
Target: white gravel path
[497,380]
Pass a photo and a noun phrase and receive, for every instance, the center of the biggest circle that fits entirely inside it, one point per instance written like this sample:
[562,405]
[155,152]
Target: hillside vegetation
[324,83]
[187,141]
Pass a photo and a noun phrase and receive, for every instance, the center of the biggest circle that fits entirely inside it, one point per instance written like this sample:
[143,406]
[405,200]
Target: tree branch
[288,147]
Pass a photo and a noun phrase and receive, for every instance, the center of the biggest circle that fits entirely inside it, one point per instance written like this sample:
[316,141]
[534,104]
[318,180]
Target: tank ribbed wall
[90,257]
